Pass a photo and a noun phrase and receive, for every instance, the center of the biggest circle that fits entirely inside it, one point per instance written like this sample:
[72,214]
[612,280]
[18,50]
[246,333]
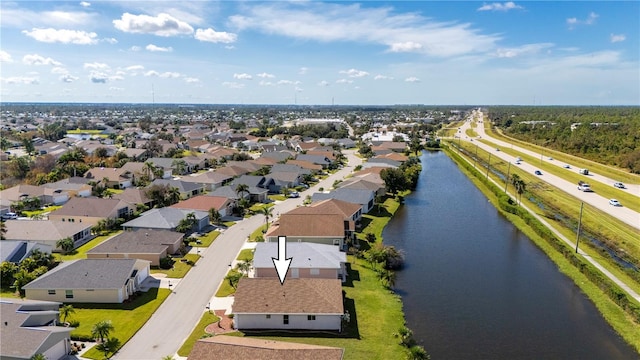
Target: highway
[622,213]
[172,323]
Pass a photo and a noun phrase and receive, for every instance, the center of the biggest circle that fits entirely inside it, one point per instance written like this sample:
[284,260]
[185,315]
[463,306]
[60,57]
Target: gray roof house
[364,197]
[145,244]
[28,330]
[48,232]
[166,218]
[187,189]
[316,159]
[210,180]
[309,260]
[258,186]
[90,281]
[15,251]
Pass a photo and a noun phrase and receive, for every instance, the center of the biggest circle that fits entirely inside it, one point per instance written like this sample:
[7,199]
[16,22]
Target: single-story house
[186,189]
[44,194]
[48,232]
[74,186]
[90,281]
[28,329]
[134,197]
[258,186]
[145,244]
[223,205]
[350,212]
[166,218]
[327,229]
[91,210]
[209,180]
[14,251]
[364,197]
[310,261]
[117,178]
[235,347]
[300,304]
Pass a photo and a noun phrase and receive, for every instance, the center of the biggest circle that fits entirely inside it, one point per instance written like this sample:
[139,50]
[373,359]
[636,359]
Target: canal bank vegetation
[620,310]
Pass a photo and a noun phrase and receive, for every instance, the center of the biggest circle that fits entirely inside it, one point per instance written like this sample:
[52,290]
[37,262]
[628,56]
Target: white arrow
[282,263]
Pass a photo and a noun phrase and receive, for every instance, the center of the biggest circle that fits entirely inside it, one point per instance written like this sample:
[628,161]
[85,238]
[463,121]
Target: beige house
[90,281]
[48,232]
[91,210]
[146,244]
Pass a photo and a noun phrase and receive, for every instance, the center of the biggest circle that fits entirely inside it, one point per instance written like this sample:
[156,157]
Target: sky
[321,53]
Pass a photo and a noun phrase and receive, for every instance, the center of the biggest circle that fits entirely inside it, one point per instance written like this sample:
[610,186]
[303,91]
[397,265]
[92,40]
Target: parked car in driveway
[538,172]
[619,185]
[9,216]
[294,194]
[614,202]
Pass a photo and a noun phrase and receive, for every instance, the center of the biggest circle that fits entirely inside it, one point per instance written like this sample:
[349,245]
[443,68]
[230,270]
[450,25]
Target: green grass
[126,318]
[82,131]
[277,197]
[375,221]
[9,293]
[229,223]
[115,191]
[179,269]
[257,232]
[245,255]
[605,170]
[206,240]
[613,314]
[225,288]
[81,252]
[257,208]
[48,209]
[197,333]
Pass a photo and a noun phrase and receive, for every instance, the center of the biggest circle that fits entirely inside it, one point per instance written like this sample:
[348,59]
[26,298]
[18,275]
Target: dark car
[538,172]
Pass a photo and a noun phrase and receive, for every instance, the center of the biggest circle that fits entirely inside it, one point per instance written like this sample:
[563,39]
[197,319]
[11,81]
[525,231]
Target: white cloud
[191,80]
[382,77]
[242,76]
[68,78]
[59,70]
[50,35]
[618,38]
[506,6]
[210,35]
[326,22]
[590,20]
[265,83]
[265,75]
[154,48]
[110,40]
[5,57]
[408,46]
[96,66]
[160,25]
[135,48]
[167,74]
[344,81]
[354,73]
[98,77]
[134,68]
[115,88]
[303,70]
[287,82]
[35,59]
[22,18]
[412,79]
[522,50]
[27,80]
[323,83]
[85,4]
[232,85]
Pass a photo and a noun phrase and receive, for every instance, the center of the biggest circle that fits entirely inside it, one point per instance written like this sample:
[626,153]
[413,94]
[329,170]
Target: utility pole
[506,180]
[476,157]
[488,166]
[579,224]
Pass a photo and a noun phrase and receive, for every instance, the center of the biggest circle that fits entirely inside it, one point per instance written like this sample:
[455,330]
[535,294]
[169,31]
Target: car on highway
[497,149]
[538,172]
[518,162]
[619,185]
[614,202]
[567,166]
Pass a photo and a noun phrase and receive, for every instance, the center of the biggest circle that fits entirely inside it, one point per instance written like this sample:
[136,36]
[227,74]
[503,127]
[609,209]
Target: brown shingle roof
[95,207]
[295,296]
[242,348]
[305,164]
[330,225]
[328,206]
[202,203]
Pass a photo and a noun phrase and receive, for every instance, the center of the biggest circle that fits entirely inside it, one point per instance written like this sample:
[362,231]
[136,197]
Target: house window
[68,294]
[314,272]
[336,241]
[268,316]
[51,292]
[311,317]
[285,319]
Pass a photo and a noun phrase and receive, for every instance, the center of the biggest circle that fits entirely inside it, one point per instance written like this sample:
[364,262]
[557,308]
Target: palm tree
[38,357]
[173,195]
[66,245]
[242,189]
[110,346]
[214,216]
[179,166]
[244,267]
[267,211]
[149,170]
[3,230]
[102,329]
[65,311]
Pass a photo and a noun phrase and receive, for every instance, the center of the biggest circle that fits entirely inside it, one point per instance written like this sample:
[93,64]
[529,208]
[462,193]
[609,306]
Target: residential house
[279,156]
[308,260]
[327,229]
[307,165]
[48,232]
[116,178]
[145,244]
[297,304]
[381,161]
[364,197]
[396,156]
[233,171]
[74,186]
[362,184]
[44,194]
[210,180]
[29,329]
[167,218]
[384,147]
[258,186]
[90,281]
[134,197]
[350,212]
[283,179]
[228,192]
[322,160]
[186,189]
[171,163]
[223,205]
[91,210]
[236,347]
[14,251]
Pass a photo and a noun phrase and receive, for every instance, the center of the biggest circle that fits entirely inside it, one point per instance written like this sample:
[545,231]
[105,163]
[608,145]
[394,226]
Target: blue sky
[319,53]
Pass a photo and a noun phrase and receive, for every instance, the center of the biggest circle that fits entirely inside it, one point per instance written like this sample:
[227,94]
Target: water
[475,287]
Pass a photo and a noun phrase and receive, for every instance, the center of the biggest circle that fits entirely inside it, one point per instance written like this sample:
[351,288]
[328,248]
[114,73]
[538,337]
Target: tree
[66,245]
[3,230]
[267,211]
[179,166]
[38,356]
[388,278]
[23,277]
[173,195]
[244,267]
[101,152]
[214,216]
[233,278]
[65,311]
[29,148]
[519,185]
[242,189]
[394,180]
[110,346]
[102,329]
[187,223]
[149,170]
[7,272]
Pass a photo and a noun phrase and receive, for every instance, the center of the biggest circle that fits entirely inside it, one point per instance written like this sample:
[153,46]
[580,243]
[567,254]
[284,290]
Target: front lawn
[81,252]
[278,197]
[126,318]
[225,288]
[258,232]
[180,268]
[245,255]
[197,333]
[48,209]
[206,240]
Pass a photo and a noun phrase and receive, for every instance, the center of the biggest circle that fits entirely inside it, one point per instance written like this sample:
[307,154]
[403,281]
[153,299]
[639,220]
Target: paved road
[174,320]
[624,214]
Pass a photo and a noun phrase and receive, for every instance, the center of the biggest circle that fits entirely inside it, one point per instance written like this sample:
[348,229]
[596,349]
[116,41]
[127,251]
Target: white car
[619,185]
[614,202]
[567,166]
[10,216]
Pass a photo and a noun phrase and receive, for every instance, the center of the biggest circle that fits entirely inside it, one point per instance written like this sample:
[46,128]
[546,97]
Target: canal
[475,287]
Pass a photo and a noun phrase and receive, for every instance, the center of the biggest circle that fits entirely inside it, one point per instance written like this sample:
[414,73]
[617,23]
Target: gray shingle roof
[149,241]
[163,218]
[304,255]
[86,274]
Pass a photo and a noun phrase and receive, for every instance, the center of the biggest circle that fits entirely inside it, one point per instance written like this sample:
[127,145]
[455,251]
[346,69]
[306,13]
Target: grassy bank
[197,333]
[618,309]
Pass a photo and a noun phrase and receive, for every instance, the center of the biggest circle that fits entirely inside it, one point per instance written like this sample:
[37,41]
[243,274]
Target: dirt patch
[224,325]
